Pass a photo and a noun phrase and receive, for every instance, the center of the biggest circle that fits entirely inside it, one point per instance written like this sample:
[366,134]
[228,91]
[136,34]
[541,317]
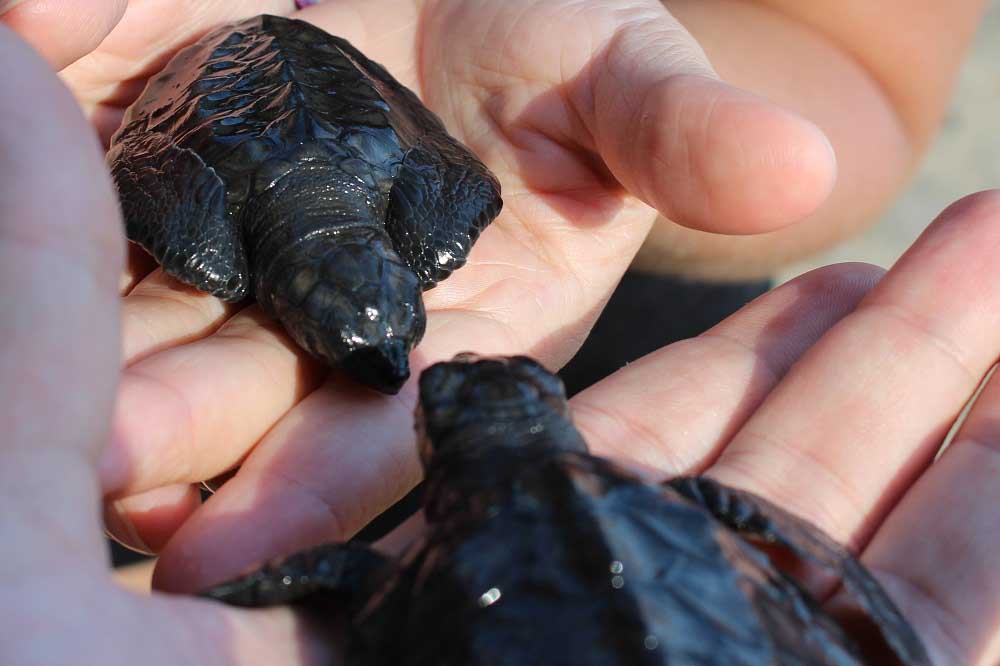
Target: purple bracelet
[305,3]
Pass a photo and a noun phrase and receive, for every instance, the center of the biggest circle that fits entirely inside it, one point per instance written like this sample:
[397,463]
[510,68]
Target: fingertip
[726,161]
[984,205]
[146,522]
[63,31]
[182,570]
[237,531]
[849,280]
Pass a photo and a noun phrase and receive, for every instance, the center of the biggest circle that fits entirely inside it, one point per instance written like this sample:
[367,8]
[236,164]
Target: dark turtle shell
[538,553]
[275,160]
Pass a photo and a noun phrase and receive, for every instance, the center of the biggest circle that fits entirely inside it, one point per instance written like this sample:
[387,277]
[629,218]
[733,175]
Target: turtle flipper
[443,196]
[340,570]
[175,207]
[754,516]
[441,200]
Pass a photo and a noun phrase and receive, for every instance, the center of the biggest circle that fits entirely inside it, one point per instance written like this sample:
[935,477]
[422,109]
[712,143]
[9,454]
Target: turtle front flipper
[754,516]
[341,571]
[441,200]
[174,206]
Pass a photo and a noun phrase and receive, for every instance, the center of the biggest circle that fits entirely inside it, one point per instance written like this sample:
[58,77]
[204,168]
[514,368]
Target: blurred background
[965,158]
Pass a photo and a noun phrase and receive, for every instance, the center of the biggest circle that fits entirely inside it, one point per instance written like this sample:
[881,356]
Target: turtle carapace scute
[273,160]
[537,553]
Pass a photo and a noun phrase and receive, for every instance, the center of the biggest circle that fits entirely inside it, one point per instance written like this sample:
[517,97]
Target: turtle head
[353,303]
[470,405]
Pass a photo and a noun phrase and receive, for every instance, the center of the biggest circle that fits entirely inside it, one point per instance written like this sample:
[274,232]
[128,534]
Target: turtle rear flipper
[754,516]
[174,206]
[339,571]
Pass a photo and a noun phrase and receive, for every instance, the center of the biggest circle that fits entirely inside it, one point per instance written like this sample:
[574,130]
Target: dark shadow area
[393,517]
[647,312]
[122,556]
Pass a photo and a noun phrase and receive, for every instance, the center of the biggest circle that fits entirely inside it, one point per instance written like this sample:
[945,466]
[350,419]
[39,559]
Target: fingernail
[120,528]
[302,4]
[7,5]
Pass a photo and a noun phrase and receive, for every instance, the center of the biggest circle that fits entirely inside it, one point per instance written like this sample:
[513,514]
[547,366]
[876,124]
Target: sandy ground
[965,158]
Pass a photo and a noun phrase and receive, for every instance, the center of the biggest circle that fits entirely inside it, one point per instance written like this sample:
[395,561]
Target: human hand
[811,396]
[815,396]
[60,256]
[831,397]
[589,138]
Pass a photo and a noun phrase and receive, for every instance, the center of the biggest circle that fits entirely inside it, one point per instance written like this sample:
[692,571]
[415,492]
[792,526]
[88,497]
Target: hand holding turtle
[813,396]
[831,396]
[557,122]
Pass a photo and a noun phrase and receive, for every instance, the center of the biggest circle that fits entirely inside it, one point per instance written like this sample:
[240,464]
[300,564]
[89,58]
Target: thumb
[707,155]
[62,31]
[61,251]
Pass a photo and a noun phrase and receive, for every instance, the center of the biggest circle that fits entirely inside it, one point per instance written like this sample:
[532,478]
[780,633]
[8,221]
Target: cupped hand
[832,398]
[594,116]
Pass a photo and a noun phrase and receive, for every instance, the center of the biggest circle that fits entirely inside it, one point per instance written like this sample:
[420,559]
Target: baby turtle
[537,553]
[274,160]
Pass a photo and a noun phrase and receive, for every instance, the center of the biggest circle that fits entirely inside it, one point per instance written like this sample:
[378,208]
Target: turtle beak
[385,367]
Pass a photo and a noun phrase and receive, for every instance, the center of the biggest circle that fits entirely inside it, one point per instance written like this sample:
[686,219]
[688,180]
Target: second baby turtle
[538,553]
[273,159]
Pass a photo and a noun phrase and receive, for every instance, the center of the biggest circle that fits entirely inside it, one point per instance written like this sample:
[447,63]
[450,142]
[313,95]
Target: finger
[191,412]
[672,411]
[161,312]
[145,522]
[319,475]
[936,552]
[150,33]
[157,630]
[161,630]
[864,410]
[705,154]
[341,457]
[63,31]
[60,258]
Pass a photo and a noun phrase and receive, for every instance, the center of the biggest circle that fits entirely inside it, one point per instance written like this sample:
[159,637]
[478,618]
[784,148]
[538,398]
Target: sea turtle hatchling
[538,553]
[275,160]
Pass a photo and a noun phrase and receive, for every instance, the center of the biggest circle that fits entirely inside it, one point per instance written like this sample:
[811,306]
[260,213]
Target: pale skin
[874,76]
[844,438]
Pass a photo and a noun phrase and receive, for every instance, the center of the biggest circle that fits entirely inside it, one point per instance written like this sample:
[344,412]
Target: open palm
[593,115]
